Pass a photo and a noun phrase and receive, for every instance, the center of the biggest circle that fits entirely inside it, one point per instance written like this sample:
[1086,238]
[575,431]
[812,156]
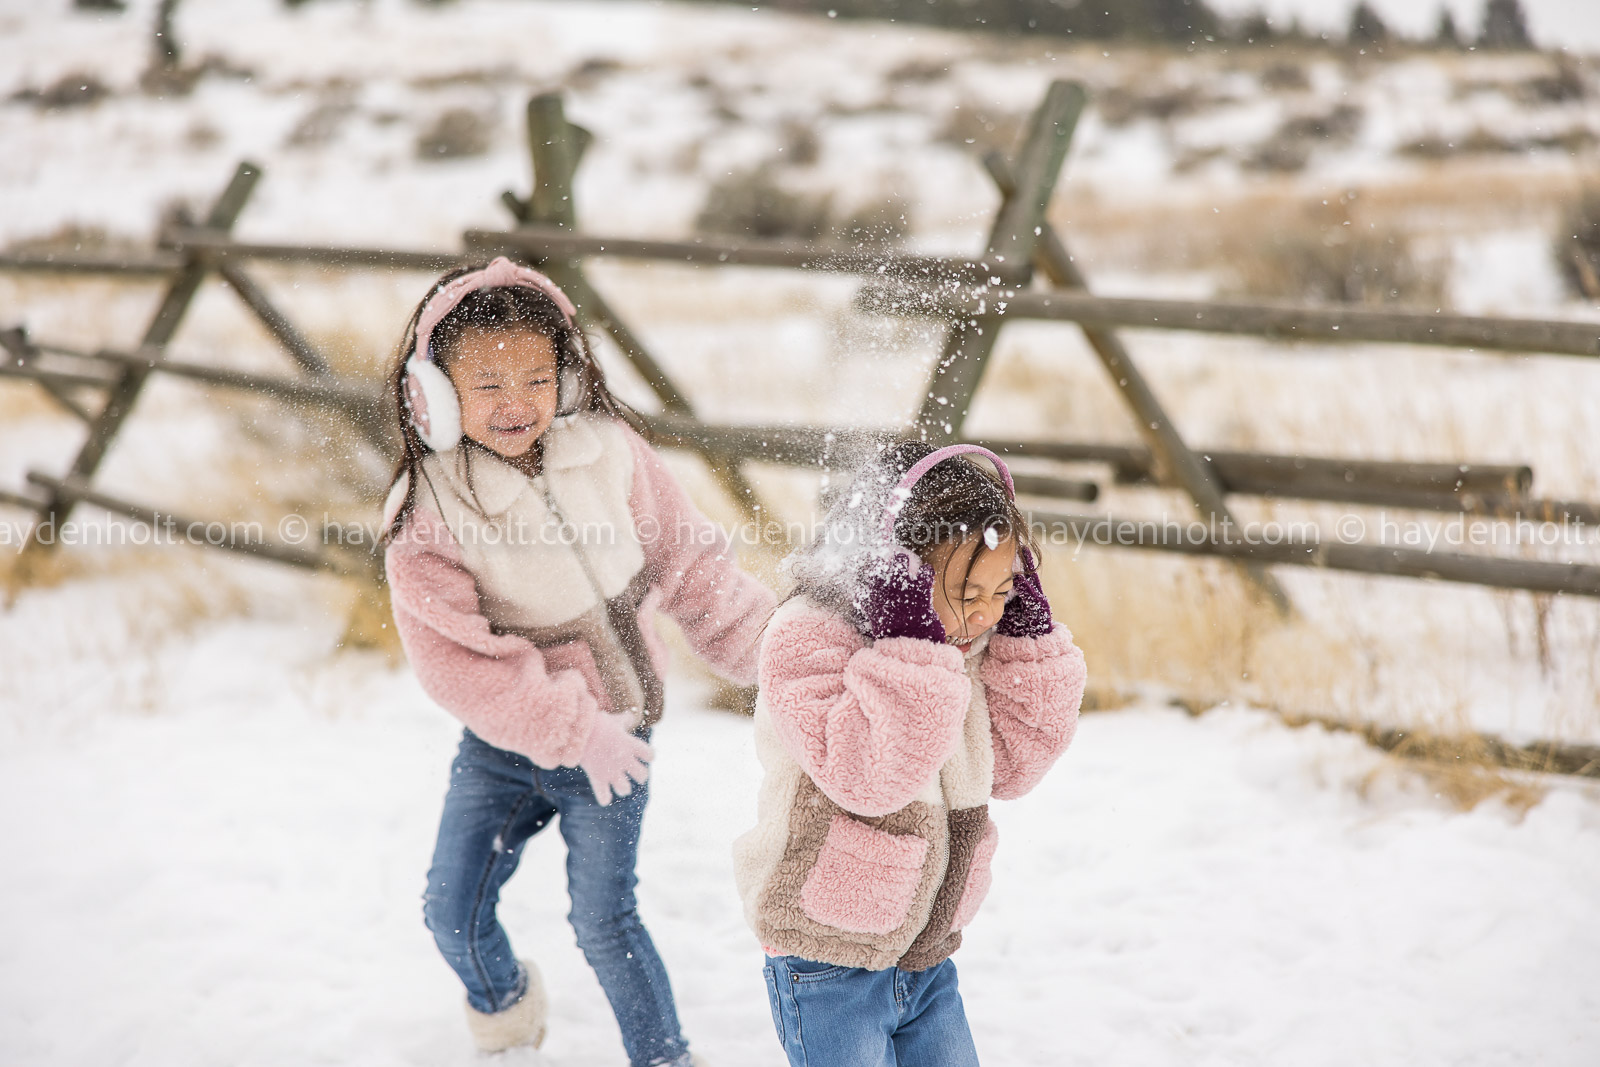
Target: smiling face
[506,379]
[969,601]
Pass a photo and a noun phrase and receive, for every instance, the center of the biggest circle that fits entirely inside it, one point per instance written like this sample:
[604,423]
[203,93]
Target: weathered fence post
[1175,461]
[556,147]
[120,400]
[1011,241]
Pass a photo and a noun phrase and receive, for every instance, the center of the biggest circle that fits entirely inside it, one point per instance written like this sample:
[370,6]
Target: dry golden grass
[1229,227]
[1460,771]
[52,569]
[1367,648]
[1195,636]
[1196,627]
[23,400]
[1463,769]
[278,459]
[369,622]
[160,589]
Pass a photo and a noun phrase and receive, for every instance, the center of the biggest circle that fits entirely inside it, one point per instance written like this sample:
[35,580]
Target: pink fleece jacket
[872,722]
[873,845]
[543,703]
[1034,687]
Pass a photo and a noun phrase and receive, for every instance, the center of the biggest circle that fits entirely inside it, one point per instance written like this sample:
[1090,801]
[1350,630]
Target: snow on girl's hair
[904,488]
[954,499]
[495,295]
[498,295]
[501,273]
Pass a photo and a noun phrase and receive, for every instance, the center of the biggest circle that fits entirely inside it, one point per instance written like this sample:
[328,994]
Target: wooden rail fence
[1024,272]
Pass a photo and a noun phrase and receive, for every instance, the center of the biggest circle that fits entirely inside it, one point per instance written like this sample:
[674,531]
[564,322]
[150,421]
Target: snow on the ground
[227,868]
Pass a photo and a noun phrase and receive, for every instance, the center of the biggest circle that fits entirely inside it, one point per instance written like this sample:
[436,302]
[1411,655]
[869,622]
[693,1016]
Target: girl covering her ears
[915,674]
[533,536]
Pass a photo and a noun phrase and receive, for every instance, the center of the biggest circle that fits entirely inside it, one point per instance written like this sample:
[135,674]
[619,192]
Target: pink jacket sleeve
[494,683]
[871,723]
[1034,687]
[719,607]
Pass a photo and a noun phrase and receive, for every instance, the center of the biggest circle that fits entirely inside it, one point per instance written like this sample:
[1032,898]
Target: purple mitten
[896,599]
[1027,612]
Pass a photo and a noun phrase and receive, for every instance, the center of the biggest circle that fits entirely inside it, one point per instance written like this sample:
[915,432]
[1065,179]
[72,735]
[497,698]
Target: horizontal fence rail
[811,445]
[1489,490]
[1497,491]
[213,248]
[1572,579]
[346,564]
[1279,322]
[100,368]
[142,264]
[541,242]
[1283,322]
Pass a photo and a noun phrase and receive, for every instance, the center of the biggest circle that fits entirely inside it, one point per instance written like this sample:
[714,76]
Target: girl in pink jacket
[916,673]
[533,538]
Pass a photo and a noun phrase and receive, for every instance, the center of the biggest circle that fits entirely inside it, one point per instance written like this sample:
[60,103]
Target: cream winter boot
[521,1024]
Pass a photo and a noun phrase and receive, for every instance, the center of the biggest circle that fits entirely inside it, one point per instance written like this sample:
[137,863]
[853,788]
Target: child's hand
[896,599]
[1027,612]
[614,759]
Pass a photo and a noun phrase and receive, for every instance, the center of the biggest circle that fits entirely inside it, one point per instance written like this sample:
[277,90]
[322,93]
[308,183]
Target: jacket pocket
[864,880]
[979,876]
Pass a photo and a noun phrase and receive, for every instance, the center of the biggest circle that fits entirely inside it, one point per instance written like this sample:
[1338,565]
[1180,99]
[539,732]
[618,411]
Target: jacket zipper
[594,585]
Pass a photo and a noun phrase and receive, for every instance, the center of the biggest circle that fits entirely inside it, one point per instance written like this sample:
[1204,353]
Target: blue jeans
[829,1016]
[497,801]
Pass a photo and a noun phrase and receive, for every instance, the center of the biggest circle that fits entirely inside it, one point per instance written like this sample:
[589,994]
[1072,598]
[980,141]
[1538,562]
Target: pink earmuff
[431,398]
[902,490]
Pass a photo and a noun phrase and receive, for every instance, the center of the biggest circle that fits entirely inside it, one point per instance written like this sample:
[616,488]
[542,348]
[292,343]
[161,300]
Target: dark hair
[500,307]
[957,499]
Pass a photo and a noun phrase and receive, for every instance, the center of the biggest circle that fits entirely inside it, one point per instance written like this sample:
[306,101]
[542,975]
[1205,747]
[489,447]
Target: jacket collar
[572,441]
[490,485]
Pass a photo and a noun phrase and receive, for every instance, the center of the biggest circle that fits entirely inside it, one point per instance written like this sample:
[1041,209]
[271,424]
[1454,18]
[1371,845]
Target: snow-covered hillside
[216,816]
[332,97]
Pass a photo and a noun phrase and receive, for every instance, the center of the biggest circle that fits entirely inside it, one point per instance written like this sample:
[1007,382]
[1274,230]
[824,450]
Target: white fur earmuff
[569,387]
[435,407]
[433,402]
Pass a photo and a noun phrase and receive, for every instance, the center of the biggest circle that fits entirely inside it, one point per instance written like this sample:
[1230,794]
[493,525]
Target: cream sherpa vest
[556,557]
